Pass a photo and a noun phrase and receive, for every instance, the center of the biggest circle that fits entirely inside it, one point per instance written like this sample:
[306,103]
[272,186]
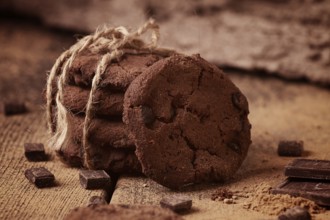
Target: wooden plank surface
[27,52]
[279,110]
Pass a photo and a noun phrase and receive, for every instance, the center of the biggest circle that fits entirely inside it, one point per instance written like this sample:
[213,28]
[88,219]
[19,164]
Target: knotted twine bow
[113,43]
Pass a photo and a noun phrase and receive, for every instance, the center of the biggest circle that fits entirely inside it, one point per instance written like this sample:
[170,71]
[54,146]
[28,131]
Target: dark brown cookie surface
[107,103]
[122,212]
[112,150]
[118,75]
[188,120]
[102,131]
[108,98]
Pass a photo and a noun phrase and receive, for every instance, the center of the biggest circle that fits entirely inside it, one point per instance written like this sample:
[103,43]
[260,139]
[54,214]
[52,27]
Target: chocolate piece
[148,116]
[35,152]
[176,203]
[13,108]
[96,200]
[309,189]
[122,212]
[290,148]
[295,213]
[308,169]
[94,179]
[40,176]
[239,101]
[184,124]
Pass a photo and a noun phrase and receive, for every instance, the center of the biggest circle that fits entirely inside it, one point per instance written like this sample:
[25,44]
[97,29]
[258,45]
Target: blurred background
[286,38]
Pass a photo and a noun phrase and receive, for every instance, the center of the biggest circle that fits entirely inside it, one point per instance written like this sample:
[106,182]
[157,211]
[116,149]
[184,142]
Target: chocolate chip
[236,99]
[94,179]
[290,148]
[239,101]
[40,177]
[96,200]
[13,108]
[295,213]
[35,152]
[176,203]
[316,56]
[147,115]
[235,147]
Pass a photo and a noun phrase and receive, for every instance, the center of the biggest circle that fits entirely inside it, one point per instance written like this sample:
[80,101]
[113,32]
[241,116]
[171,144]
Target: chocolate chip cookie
[113,151]
[107,103]
[188,121]
[118,75]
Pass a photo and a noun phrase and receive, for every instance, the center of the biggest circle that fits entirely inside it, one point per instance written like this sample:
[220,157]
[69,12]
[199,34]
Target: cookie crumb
[222,194]
[228,201]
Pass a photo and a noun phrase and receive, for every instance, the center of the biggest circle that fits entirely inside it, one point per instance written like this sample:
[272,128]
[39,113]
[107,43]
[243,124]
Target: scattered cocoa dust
[262,200]
[222,194]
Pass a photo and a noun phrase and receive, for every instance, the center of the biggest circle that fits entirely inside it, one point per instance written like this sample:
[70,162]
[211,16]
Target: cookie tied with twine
[112,58]
[120,103]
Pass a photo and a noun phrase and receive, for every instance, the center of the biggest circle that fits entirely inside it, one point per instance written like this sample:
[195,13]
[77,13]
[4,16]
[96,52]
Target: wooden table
[279,110]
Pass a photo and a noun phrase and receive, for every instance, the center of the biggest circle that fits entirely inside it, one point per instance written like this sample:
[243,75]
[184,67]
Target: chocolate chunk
[94,179]
[295,213]
[96,200]
[290,148]
[235,147]
[147,115]
[40,176]
[308,169]
[235,98]
[309,189]
[13,108]
[176,203]
[35,152]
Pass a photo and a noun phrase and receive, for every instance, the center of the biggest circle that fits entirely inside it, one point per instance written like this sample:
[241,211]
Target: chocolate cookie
[113,150]
[118,75]
[102,132]
[188,120]
[110,133]
[107,103]
[121,212]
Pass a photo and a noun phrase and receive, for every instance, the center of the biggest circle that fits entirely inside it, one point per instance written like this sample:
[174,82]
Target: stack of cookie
[114,150]
[178,119]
